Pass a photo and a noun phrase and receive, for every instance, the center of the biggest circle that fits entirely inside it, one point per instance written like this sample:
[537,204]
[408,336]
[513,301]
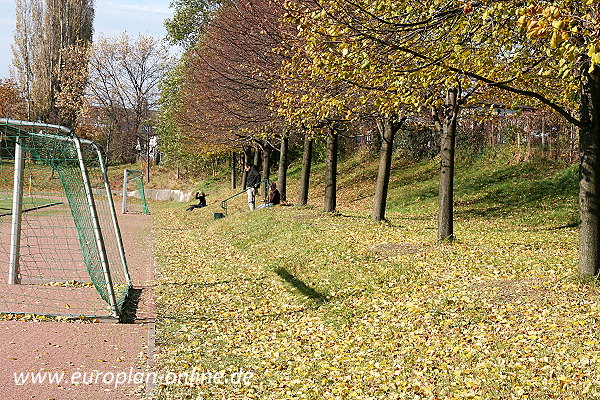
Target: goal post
[59,236]
[134,196]
[17,200]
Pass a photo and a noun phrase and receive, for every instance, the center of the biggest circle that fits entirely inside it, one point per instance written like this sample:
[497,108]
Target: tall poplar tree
[28,43]
[50,55]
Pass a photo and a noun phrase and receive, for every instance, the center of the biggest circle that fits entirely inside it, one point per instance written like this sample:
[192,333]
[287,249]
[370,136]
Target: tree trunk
[331,172]
[387,132]
[256,161]
[305,176]
[283,164]
[589,139]
[446,195]
[266,161]
[247,155]
[241,163]
[233,170]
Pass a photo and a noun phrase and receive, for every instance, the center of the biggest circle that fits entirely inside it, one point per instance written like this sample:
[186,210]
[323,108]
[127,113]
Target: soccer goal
[60,245]
[134,197]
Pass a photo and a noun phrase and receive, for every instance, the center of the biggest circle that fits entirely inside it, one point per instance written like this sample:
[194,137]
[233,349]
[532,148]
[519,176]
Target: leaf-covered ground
[318,306]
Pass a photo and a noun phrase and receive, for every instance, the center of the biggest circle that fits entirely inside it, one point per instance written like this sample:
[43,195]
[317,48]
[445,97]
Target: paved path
[100,353]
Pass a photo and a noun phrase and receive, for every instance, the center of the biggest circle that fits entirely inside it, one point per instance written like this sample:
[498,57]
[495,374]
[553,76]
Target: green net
[134,197]
[60,248]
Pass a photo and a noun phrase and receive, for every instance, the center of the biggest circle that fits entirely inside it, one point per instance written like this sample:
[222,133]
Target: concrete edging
[164,195]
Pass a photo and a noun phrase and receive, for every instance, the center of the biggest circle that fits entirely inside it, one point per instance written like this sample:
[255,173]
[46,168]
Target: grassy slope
[319,306]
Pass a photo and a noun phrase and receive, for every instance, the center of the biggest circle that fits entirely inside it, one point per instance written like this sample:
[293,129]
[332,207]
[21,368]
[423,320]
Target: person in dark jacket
[274,195]
[252,182]
[201,197]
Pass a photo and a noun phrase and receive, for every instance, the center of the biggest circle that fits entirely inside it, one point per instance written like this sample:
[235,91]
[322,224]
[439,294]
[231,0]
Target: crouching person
[201,197]
[274,196]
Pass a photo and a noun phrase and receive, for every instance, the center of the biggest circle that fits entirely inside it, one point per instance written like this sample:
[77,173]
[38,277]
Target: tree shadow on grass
[301,286]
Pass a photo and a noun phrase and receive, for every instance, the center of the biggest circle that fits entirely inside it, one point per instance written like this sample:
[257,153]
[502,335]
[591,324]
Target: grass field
[29,203]
[322,306]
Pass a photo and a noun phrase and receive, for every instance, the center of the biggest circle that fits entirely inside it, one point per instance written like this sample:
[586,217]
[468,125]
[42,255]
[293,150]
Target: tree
[12,104]
[387,126]
[329,202]
[125,73]
[51,42]
[27,56]
[305,175]
[190,18]
[178,149]
[283,165]
[446,125]
[314,90]
[321,106]
[346,43]
[545,52]
[69,99]
[226,91]
[68,27]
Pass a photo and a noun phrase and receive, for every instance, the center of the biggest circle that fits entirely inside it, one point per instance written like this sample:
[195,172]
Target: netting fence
[61,251]
[134,197]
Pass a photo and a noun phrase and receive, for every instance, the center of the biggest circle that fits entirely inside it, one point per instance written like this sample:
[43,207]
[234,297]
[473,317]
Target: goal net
[61,252]
[134,197]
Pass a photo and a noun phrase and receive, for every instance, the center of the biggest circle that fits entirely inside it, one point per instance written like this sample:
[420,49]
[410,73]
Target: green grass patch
[323,306]
[30,203]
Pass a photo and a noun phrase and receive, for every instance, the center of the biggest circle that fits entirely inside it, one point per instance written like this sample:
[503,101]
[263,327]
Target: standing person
[274,196]
[252,182]
[201,197]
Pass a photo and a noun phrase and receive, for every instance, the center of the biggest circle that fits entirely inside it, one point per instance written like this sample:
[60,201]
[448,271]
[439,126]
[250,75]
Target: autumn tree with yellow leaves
[547,53]
[343,45]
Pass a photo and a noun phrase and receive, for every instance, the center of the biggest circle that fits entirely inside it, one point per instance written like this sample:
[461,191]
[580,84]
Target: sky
[111,18]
